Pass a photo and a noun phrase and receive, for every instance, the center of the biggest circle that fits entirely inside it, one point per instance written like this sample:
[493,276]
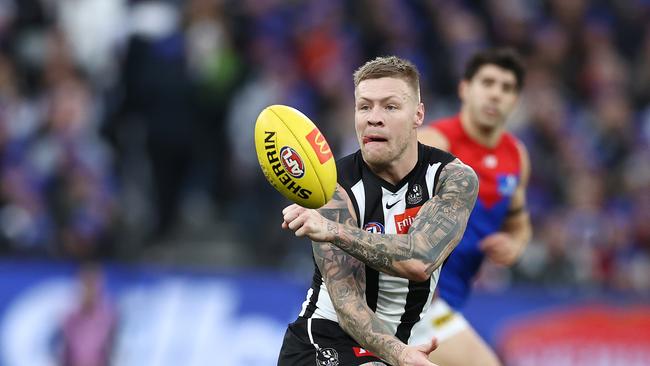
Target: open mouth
[368,139]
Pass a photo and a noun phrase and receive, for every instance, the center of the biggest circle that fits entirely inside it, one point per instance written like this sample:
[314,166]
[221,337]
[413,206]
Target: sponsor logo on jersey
[403,221]
[292,162]
[360,352]
[391,205]
[490,161]
[374,227]
[442,320]
[320,146]
[327,357]
[276,167]
[507,184]
[415,195]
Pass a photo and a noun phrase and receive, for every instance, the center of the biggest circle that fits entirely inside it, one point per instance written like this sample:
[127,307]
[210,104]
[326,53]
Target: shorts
[321,342]
[440,321]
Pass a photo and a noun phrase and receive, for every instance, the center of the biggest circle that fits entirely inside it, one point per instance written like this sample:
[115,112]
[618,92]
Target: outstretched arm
[504,247]
[435,232]
[345,278]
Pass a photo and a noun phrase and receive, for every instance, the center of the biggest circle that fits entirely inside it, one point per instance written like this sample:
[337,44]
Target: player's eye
[487,82]
[508,88]
[363,107]
[391,107]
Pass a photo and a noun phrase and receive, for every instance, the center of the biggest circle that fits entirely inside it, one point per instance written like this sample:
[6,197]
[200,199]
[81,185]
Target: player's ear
[419,115]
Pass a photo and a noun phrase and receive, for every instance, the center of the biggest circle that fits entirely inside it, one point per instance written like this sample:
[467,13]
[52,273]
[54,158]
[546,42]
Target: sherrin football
[294,156]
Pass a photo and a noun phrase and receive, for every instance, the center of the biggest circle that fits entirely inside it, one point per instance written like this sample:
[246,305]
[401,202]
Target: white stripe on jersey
[360,195]
[311,337]
[397,203]
[325,308]
[431,177]
[391,299]
[306,302]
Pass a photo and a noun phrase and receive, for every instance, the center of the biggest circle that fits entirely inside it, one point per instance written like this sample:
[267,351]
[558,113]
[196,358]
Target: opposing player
[499,227]
[399,210]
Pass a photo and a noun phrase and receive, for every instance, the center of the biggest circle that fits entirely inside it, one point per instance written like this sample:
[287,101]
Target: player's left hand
[500,248]
[418,355]
[309,223]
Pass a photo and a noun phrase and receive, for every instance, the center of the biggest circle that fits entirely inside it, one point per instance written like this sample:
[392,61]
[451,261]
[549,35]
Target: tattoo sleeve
[345,278]
[435,231]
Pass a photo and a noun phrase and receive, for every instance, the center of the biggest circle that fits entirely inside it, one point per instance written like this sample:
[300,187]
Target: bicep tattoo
[441,222]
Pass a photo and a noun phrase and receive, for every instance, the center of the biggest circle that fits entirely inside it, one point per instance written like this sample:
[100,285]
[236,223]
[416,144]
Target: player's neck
[488,137]
[394,172]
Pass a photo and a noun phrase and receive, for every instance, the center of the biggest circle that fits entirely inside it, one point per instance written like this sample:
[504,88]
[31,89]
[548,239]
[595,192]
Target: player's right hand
[309,223]
[418,355]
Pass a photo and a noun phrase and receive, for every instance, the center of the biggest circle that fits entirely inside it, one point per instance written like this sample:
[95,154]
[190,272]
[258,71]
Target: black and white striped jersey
[384,208]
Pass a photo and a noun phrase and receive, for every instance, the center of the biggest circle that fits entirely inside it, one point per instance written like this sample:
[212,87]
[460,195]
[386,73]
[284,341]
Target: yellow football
[294,156]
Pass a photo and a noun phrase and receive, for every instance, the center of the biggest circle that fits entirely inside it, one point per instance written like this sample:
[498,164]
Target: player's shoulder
[514,148]
[514,143]
[348,168]
[433,155]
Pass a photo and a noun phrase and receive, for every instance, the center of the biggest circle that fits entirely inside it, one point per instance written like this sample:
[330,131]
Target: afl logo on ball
[374,227]
[292,162]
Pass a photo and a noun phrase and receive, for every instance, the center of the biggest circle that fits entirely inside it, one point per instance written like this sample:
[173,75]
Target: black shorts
[329,345]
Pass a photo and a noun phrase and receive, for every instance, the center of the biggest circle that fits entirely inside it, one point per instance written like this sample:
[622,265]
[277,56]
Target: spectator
[89,329]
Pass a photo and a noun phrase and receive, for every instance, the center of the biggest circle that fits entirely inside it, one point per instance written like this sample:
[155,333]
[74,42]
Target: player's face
[387,114]
[490,96]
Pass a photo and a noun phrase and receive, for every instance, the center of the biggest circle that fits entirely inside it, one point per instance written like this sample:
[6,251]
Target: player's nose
[375,117]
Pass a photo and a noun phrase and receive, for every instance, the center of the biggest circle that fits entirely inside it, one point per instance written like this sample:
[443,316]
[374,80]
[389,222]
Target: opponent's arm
[506,246]
[345,278]
[435,231]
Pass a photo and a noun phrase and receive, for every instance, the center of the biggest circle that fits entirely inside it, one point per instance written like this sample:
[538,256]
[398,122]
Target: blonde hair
[392,67]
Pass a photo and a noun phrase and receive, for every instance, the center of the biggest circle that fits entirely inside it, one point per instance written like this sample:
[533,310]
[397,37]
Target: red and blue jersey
[498,170]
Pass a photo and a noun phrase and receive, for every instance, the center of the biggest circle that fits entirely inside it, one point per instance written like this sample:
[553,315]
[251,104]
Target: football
[295,156]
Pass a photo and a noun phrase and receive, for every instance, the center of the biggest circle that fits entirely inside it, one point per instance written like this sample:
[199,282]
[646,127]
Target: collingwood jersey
[384,208]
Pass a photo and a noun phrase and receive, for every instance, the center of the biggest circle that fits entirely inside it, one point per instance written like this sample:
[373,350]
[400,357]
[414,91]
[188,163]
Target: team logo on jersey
[403,221]
[292,162]
[507,184]
[327,357]
[490,161]
[415,195]
[360,352]
[374,227]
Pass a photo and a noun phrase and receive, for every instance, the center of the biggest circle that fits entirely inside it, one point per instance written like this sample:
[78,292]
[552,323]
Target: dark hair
[389,66]
[506,58]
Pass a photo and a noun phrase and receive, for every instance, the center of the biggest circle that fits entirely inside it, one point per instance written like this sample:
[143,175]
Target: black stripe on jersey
[418,293]
[374,193]
[316,282]
[372,287]
[415,301]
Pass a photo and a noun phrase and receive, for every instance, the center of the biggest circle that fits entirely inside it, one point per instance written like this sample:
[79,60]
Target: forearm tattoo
[435,232]
[345,278]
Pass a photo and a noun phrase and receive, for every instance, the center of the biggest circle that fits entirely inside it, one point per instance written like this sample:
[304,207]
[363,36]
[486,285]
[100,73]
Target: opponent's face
[387,114]
[490,96]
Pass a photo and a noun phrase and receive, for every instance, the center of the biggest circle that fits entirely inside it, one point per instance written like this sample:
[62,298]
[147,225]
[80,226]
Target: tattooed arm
[345,278]
[435,232]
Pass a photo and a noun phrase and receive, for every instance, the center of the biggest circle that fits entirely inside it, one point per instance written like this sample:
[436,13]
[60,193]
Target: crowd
[118,117]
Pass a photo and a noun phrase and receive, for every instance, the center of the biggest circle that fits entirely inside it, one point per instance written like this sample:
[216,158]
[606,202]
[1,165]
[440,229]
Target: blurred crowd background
[126,126]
